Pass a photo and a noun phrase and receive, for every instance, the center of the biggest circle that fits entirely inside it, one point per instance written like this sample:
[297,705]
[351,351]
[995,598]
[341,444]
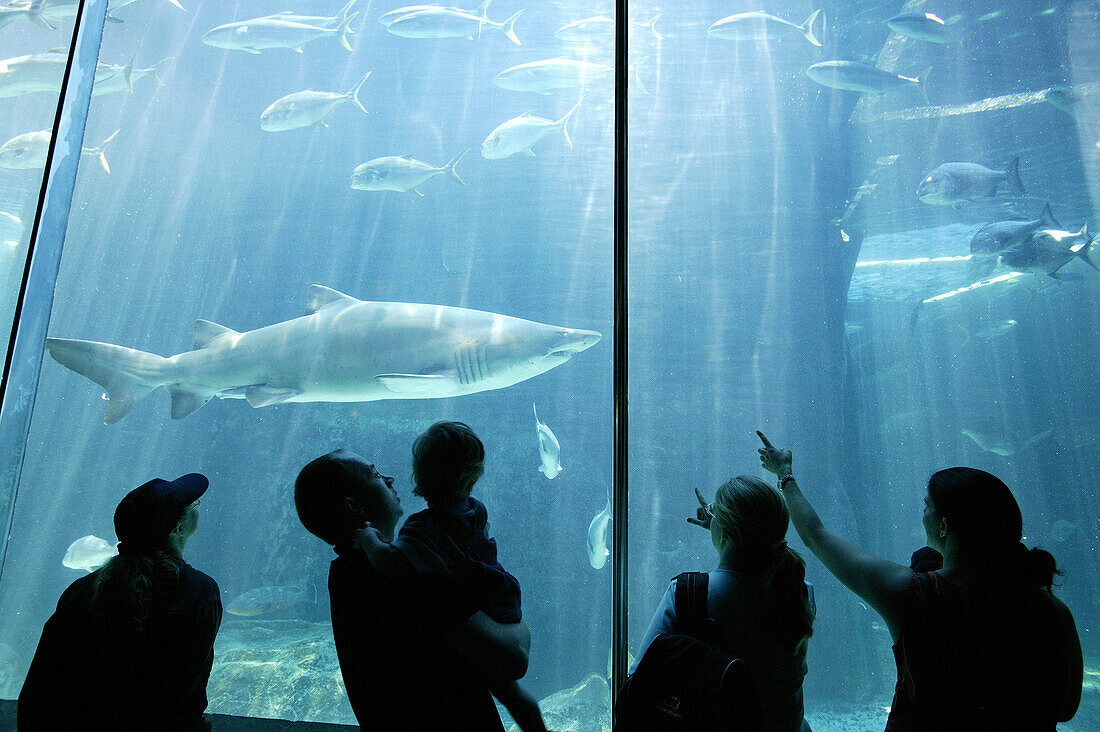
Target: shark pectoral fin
[529,153]
[413,385]
[321,296]
[262,395]
[186,400]
[205,332]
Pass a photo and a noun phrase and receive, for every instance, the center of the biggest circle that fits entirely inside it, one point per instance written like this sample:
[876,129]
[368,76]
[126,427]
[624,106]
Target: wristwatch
[784,480]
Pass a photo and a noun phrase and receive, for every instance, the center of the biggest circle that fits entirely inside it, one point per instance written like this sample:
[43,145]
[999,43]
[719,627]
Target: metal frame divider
[35,303]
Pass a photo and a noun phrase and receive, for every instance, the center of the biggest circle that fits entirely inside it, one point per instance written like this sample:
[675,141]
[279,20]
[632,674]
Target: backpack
[685,680]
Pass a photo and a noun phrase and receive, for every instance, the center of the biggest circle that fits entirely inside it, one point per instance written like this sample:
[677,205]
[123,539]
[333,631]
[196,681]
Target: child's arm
[384,557]
[521,705]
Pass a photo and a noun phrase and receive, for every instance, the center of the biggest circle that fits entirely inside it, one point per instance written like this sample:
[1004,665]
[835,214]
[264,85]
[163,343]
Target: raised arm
[500,650]
[882,584]
[386,559]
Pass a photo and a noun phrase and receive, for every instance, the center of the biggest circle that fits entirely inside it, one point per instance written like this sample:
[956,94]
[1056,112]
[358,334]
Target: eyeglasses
[709,510]
[195,504]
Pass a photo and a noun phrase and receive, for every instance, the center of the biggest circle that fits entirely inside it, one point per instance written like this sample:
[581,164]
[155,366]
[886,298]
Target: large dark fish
[952,184]
[996,237]
[1048,251]
[263,600]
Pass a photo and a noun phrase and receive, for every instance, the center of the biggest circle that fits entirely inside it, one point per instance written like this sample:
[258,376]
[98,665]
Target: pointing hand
[703,515]
[772,458]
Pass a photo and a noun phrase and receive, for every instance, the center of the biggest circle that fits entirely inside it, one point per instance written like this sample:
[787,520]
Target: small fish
[111,78]
[1048,251]
[953,184]
[29,150]
[598,537]
[855,76]
[998,329]
[38,72]
[520,133]
[387,18]
[542,77]
[11,229]
[920,26]
[1002,444]
[264,600]
[439,22]
[549,449]
[600,29]
[991,16]
[305,108]
[760,26]
[31,11]
[401,173]
[88,553]
[996,237]
[276,31]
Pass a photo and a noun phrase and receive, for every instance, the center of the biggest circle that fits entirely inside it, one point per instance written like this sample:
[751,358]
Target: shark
[342,350]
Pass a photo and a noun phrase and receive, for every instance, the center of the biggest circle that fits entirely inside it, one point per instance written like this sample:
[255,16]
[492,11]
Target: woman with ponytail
[981,644]
[131,645]
[758,596]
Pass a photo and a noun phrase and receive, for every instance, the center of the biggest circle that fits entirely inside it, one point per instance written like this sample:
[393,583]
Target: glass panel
[785,270]
[218,211]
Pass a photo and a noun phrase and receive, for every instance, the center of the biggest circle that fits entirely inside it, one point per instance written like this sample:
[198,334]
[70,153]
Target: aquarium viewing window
[616,239]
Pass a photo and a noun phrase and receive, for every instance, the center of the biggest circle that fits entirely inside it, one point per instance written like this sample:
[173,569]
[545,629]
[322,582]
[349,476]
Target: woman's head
[750,517]
[983,520]
[749,528]
[159,515]
[448,458]
[976,507]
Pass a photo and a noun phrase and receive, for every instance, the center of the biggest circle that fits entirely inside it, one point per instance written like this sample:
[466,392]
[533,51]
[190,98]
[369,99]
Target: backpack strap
[691,600]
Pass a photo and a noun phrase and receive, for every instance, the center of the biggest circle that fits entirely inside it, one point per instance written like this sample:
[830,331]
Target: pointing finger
[763,439]
[702,501]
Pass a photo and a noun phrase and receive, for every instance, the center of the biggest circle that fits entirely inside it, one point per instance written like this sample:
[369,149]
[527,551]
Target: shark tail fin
[343,29]
[449,168]
[101,154]
[127,375]
[807,28]
[564,120]
[1047,217]
[1013,172]
[355,92]
[34,12]
[509,28]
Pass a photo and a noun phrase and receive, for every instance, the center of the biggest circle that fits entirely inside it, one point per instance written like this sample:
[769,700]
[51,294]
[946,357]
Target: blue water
[773,224]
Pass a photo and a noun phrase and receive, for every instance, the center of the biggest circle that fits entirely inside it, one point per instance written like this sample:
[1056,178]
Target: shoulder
[203,583]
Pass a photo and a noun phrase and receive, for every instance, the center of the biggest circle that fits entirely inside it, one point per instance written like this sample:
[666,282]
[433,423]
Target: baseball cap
[148,513]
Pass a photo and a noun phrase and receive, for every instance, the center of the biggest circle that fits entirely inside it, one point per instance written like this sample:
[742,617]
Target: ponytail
[124,587]
[1037,567]
[787,600]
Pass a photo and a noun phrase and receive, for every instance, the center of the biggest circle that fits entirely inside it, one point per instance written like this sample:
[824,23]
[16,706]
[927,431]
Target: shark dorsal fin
[205,332]
[321,296]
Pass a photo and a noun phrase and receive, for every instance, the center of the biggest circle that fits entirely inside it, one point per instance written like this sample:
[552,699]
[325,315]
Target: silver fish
[305,108]
[264,600]
[89,553]
[387,18]
[1002,444]
[439,22]
[400,173]
[112,79]
[549,449]
[38,72]
[29,150]
[601,29]
[544,76]
[275,31]
[598,537]
[760,26]
[31,11]
[1001,235]
[854,76]
[520,133]
[920,26]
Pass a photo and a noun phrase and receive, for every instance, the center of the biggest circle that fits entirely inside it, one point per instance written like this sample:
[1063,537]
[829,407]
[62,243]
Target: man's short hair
[320,492]
[448,458]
